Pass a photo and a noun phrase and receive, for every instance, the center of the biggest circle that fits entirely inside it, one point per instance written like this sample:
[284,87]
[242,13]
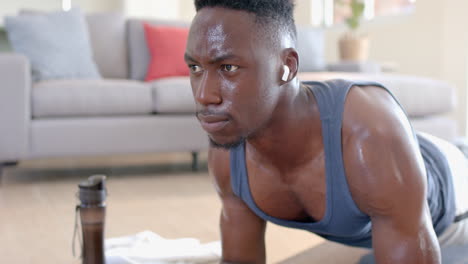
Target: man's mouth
[213,123]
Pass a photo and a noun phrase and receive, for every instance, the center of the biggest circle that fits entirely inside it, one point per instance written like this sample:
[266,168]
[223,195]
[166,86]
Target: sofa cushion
[311,49]
[173,95]
[167,48]
[109,44]
[105,30]
[57,44]
[76,98]
[419,96]
[139,55]
[439,126]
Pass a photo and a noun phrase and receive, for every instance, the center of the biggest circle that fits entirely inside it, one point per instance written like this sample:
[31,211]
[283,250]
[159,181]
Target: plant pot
[353,47]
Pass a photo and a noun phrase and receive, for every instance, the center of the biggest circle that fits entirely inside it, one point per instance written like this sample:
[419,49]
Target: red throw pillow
[167,47]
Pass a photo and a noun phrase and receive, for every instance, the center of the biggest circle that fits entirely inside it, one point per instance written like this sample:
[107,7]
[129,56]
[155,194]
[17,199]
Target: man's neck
[293,135]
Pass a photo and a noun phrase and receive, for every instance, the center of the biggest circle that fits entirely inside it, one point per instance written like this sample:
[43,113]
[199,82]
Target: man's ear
[291,60]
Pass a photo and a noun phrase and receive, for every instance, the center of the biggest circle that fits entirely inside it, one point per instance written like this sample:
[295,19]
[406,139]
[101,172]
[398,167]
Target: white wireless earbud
[285,73]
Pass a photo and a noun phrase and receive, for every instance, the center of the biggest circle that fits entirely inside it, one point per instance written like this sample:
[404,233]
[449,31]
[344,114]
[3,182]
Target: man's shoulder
[372,113]
[381,156]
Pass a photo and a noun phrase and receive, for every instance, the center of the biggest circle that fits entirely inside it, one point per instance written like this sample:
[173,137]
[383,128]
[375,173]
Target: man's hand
[242,232]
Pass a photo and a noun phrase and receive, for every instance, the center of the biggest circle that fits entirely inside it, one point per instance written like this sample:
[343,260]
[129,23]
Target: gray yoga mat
[450,255]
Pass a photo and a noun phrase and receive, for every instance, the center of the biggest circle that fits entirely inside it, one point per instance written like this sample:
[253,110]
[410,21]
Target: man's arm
[387,179]
[242,232]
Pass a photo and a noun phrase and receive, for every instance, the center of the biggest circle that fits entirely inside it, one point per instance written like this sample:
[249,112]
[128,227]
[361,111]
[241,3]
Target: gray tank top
[343,221]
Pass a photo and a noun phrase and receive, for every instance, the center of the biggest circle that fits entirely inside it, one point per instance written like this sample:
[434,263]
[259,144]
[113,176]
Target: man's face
[234,74]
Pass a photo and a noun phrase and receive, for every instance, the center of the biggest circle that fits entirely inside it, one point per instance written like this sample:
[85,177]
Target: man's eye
[229,67]
[194,68]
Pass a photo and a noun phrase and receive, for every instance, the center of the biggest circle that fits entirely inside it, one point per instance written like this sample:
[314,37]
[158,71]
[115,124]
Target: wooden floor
[150,192]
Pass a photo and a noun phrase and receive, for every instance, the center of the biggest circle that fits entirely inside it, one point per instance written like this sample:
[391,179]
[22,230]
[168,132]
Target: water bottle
[92,211]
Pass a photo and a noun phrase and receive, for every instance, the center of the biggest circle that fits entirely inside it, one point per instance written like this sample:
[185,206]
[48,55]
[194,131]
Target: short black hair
[276,15]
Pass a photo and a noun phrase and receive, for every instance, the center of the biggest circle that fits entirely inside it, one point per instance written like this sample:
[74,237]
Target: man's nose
[208,92]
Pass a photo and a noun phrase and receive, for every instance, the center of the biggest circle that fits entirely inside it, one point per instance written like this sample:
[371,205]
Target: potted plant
[352,45]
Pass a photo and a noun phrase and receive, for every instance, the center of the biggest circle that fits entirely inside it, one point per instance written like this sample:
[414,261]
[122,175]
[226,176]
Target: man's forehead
[221,29]
[210,16]
[216,36]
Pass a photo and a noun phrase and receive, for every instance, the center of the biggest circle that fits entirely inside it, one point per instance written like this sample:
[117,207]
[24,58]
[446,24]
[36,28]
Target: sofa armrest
[15,86]
[419,96]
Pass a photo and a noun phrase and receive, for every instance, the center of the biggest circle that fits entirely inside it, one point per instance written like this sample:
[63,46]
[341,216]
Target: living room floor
[145,192]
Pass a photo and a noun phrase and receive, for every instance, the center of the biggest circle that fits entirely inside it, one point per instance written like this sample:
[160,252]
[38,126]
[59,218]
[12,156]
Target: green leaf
[357,8]
[340,2]
[353,23]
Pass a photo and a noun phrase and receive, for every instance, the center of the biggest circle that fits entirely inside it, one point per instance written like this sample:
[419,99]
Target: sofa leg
[2,167]
[1,174]
[194,161]
[10,163]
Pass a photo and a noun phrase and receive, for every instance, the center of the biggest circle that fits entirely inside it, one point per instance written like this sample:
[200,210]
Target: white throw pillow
[57,44]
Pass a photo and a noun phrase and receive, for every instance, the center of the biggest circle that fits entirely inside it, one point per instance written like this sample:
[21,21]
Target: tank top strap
[237,165]
[330,97]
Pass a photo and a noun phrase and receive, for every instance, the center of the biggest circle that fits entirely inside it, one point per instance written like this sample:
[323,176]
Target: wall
[413,42]
[187,10]
[12,7]
[152,9]
[159,9]
[90,6]
[302,12]
[174,9]
[455,52]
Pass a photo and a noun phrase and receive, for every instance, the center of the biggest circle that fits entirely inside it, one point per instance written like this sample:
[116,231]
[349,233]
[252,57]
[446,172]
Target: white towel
[149,248]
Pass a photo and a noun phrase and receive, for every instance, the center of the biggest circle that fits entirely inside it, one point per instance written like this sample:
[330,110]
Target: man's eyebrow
[223,57]
[188,58]
[217,59]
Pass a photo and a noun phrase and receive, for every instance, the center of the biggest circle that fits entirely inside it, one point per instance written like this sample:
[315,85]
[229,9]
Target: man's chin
[226,145]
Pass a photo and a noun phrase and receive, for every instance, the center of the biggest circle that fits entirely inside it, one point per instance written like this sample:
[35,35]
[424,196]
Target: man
[337,158]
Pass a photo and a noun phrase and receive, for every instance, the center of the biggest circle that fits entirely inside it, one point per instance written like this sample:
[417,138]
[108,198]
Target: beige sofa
[121,114]
[426,101]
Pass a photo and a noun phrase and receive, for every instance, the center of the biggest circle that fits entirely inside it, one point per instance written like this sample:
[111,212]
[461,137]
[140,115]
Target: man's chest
[298,195]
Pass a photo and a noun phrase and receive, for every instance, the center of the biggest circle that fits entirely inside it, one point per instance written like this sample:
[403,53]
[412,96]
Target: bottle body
[92,225]
[92,195]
